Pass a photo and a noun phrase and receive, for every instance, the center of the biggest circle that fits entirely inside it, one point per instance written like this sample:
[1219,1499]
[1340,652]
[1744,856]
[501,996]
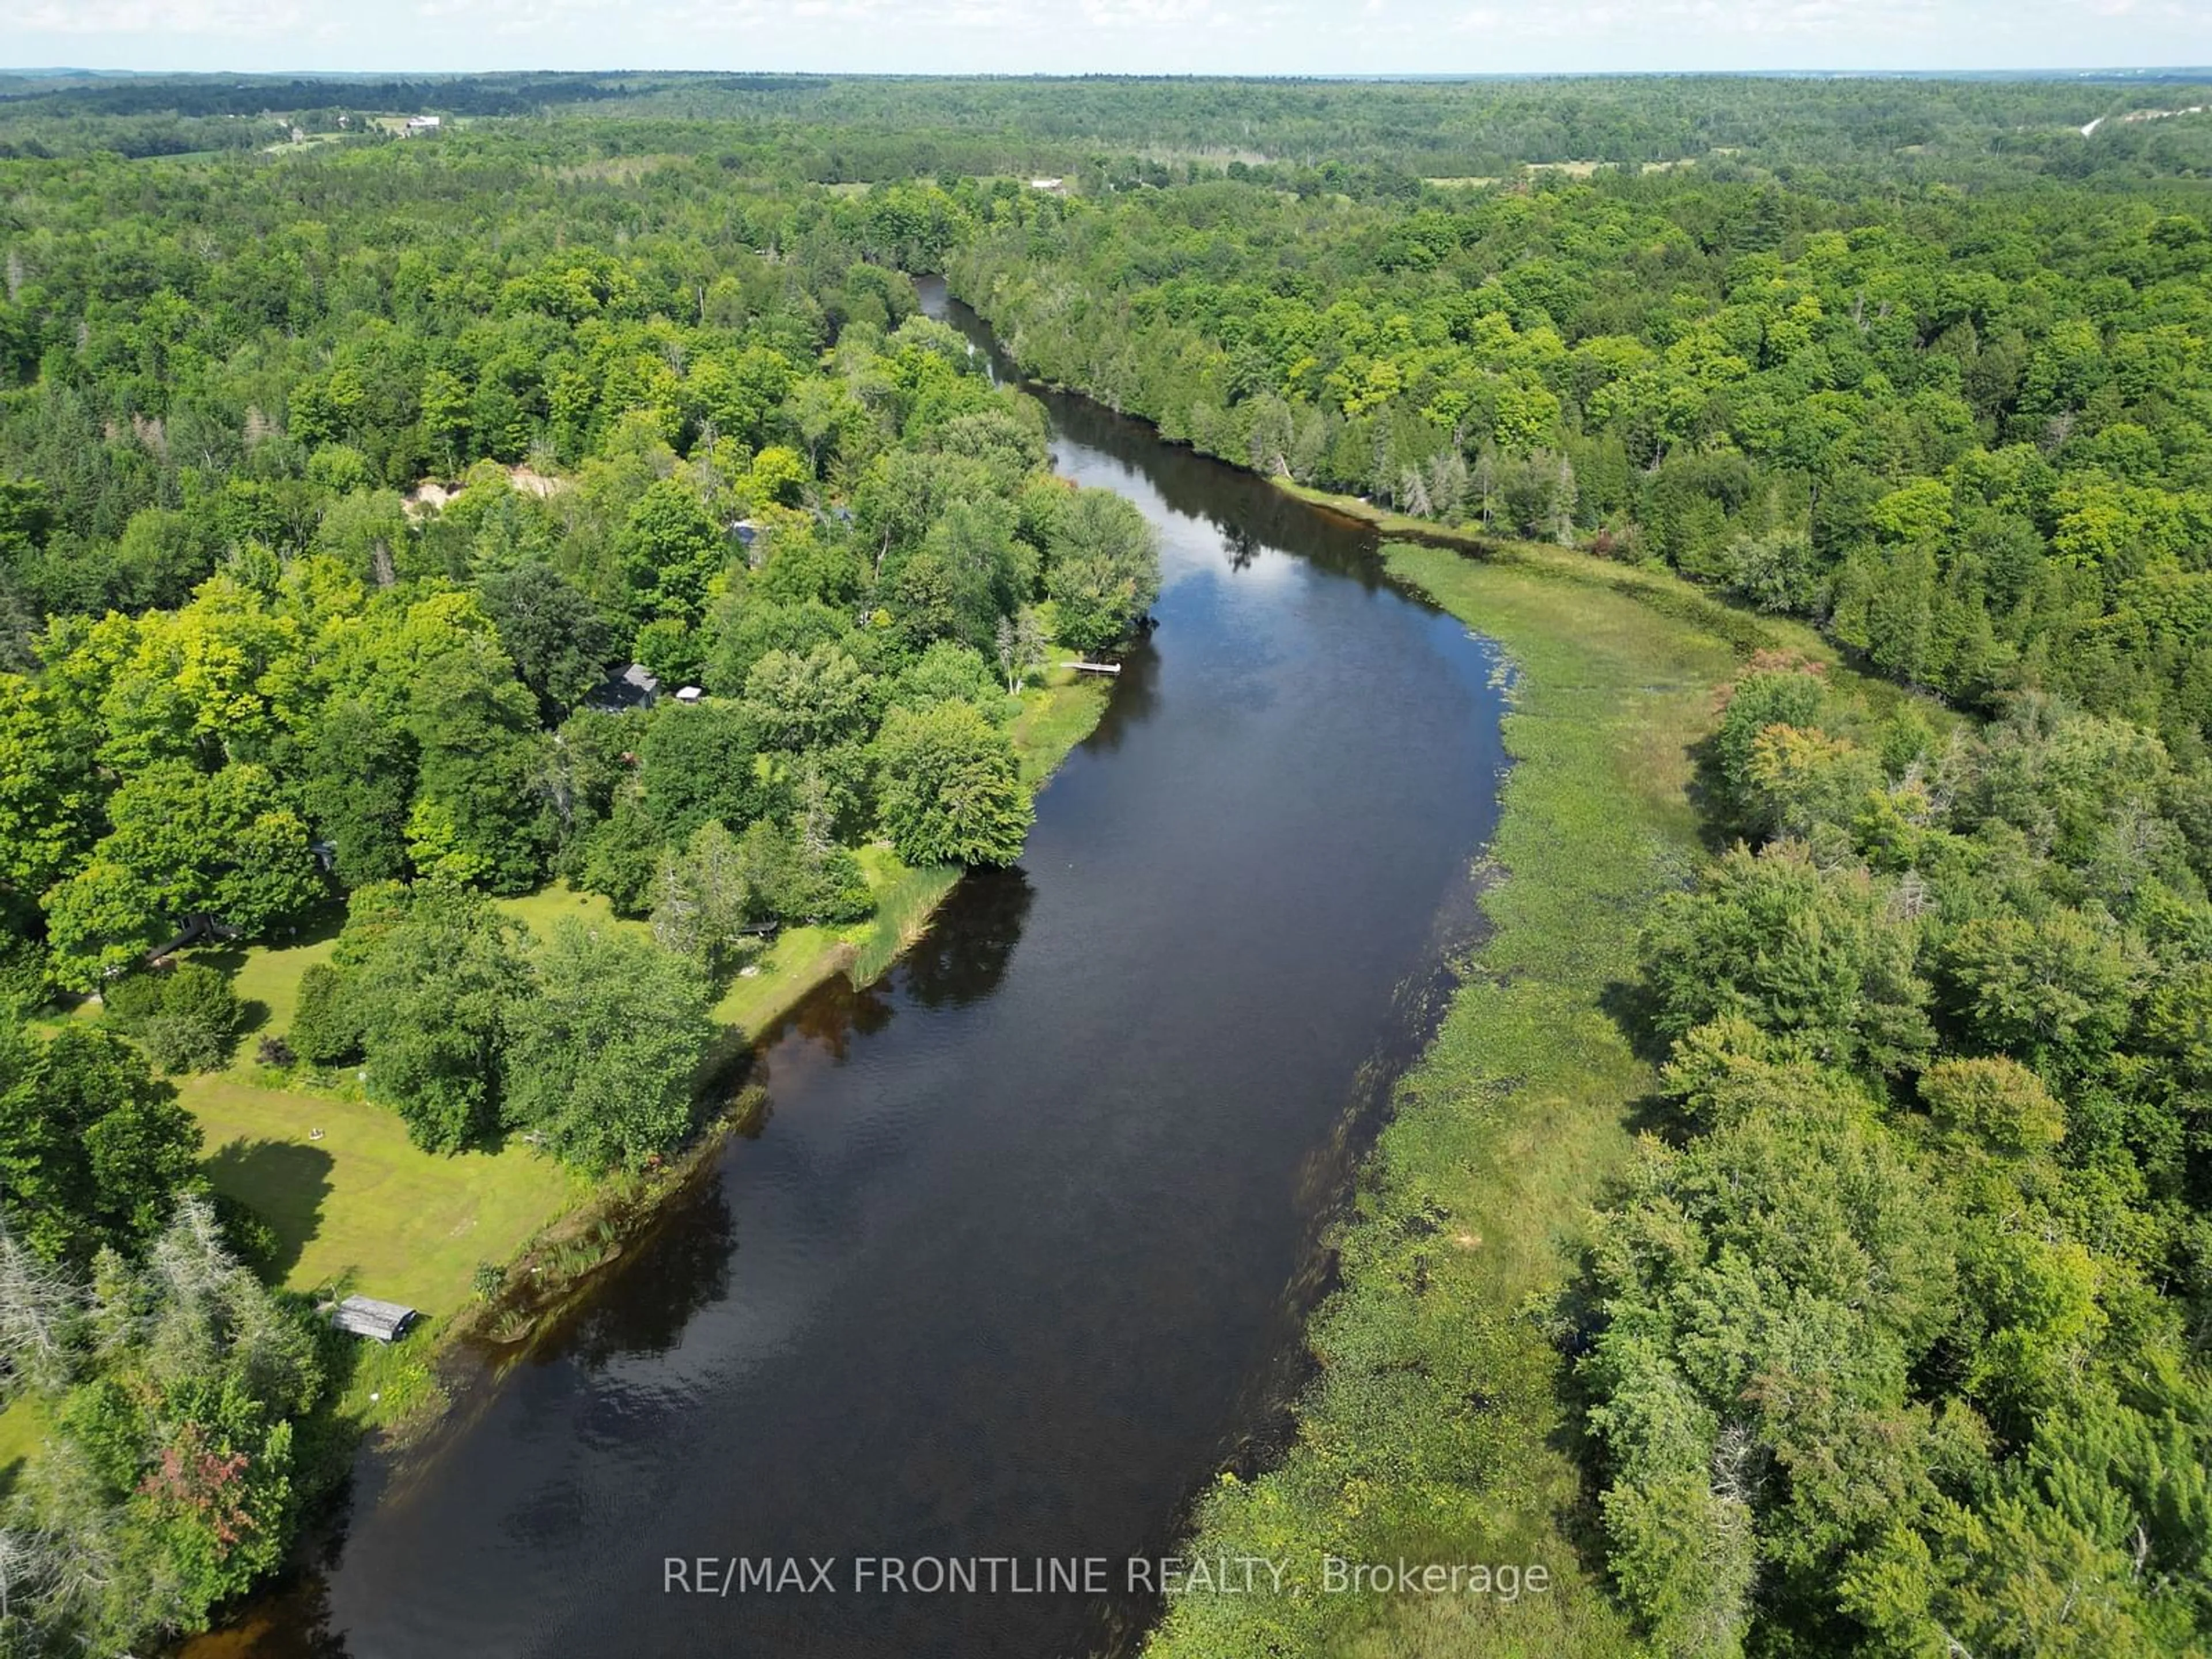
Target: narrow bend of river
[1019,1260]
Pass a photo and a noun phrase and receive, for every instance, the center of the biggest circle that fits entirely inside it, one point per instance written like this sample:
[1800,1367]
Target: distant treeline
[501,95]
[850,127]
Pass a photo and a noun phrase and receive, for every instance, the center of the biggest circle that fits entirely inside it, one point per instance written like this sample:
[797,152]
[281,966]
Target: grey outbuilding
[364,1316]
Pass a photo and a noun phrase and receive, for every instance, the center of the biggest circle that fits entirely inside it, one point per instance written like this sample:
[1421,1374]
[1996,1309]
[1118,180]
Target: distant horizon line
[2086,72]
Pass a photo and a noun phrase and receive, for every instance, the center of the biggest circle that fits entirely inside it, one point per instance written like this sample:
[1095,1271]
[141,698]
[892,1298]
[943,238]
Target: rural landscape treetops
[495,611]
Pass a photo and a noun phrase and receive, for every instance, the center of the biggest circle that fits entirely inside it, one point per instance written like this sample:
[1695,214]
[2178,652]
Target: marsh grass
[903,906]
[1436,1425]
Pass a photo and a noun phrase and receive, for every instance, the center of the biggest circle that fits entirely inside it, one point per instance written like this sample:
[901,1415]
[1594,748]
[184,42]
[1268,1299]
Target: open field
[363,1205]
[1437,1428]
[557,902]
[359,1205]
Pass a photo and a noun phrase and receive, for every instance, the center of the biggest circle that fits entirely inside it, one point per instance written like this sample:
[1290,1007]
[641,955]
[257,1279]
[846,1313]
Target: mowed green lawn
[799,958]
[359,1205]
[267,978]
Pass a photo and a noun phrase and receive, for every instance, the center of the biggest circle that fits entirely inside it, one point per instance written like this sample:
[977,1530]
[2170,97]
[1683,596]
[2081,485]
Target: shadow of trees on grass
[285,1184]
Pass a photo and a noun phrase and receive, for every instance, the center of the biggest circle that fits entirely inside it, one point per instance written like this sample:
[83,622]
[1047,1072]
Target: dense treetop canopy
[354,507]
[354,489]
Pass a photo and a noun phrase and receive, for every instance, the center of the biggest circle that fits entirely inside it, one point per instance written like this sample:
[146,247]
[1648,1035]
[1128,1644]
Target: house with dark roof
[635,687]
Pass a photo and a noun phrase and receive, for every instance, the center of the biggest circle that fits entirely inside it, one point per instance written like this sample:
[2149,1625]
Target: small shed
[635,687]
[364,1316]
[690,694]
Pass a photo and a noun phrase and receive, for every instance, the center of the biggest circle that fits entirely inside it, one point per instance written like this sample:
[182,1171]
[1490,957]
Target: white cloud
[1708,21]
[124,18]
[1061,36]
[1148,13]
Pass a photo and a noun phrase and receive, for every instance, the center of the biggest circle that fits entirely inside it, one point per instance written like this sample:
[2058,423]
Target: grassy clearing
[361,1205]
[1054,720]
[1436,1429]
[799,958]
[558,902]
[802,958]
[23,1426]
[358,1207]
[266,977]
[311,141]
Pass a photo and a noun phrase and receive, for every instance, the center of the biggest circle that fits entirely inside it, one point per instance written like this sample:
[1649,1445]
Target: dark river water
[1019,1260]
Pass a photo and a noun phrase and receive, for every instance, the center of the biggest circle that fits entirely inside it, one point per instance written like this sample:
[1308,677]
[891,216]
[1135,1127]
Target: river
[1019,1258]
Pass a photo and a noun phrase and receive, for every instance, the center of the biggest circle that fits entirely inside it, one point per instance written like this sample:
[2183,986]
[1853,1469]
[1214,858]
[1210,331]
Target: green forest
[330,536]
[1894,1338]
[574,501]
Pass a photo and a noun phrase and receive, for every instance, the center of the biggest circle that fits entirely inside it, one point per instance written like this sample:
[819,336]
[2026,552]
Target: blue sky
[1172,36]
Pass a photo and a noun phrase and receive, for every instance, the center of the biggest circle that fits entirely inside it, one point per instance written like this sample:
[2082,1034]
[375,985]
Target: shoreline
[1434,1425]
[470,1348]
[1390,525]
[630,1205]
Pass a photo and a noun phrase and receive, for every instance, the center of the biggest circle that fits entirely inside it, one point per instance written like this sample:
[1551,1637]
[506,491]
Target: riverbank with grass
[351,1205]
[1394,525]
[1436,1429]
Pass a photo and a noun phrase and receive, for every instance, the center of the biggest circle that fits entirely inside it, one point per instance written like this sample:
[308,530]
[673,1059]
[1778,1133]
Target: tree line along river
[1020,1257]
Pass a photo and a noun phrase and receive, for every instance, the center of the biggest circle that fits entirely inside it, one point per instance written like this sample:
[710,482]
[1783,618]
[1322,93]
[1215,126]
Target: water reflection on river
[1015,1262]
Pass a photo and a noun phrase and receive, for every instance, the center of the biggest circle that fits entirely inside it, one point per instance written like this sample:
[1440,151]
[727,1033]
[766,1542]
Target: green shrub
[193,1024]
[325,1031]
[133,1001]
